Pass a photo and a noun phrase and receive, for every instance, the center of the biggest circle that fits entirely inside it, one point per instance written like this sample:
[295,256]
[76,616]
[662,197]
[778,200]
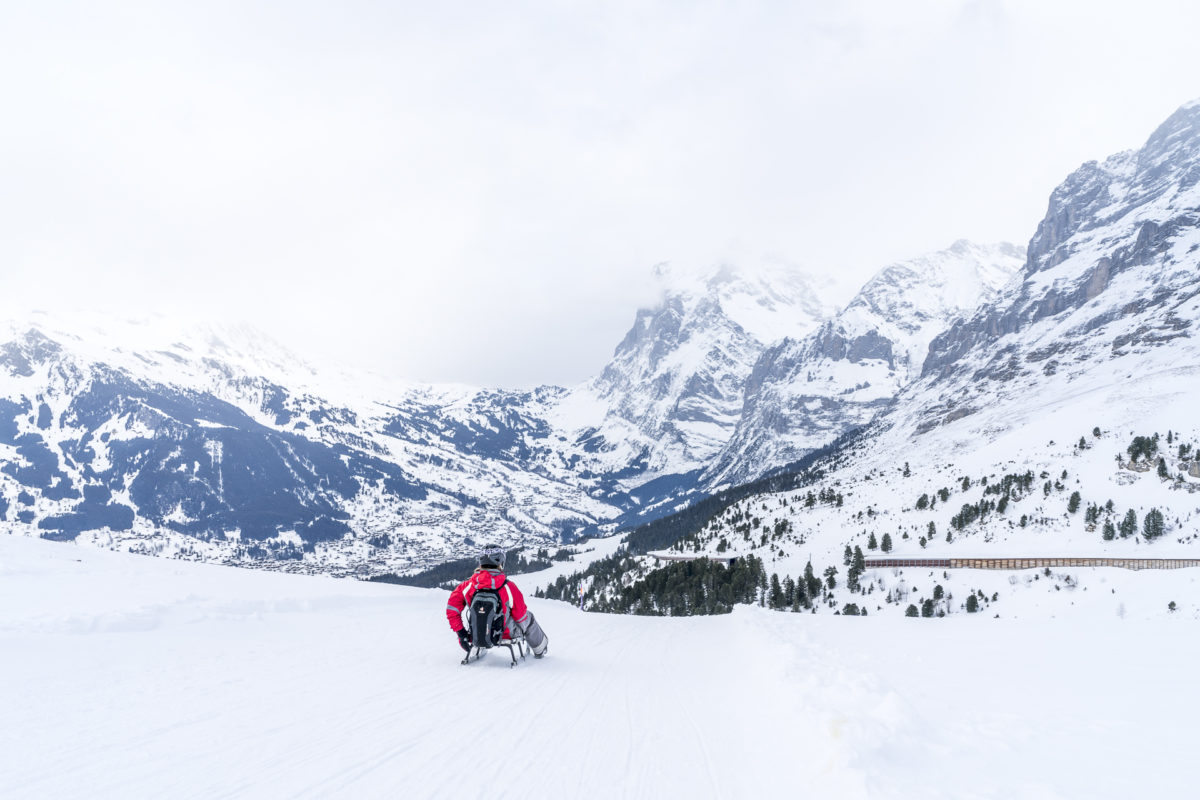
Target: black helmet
[491,556]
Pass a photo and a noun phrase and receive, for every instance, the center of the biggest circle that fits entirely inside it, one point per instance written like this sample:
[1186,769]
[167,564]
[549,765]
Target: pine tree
[812,583]
[907,471]
[966,482]
[972,604]
[859,562]
[1162,469]
[852,579]
[872,544]
[886,544]
[776,596]
[847,556]
[927,608]
[1153,526]
[831,577]
[1129,525]
[1073,503]
[1109,532]
[930,531]
[911,611]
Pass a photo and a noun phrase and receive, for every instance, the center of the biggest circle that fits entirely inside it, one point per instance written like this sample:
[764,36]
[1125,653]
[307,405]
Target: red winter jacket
[510,597]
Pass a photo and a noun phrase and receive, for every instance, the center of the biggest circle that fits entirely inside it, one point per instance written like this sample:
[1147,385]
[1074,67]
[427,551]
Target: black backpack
[487,617]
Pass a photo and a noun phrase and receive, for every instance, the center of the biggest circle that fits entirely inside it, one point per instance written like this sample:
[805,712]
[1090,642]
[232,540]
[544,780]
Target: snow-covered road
[125,676]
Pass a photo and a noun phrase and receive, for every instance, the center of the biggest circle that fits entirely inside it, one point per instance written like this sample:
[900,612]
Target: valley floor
[126,676]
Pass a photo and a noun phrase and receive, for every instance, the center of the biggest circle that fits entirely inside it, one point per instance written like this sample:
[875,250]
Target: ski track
[240,684]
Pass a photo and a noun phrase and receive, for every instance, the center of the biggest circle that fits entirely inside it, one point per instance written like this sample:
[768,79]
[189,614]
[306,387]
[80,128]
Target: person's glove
[464,639]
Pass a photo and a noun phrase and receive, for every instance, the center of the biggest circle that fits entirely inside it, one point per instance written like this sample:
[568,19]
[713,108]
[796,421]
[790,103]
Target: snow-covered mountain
[211,443]
[216,444]
[1111,275]
[673,391]
[1056,421]
[803,393]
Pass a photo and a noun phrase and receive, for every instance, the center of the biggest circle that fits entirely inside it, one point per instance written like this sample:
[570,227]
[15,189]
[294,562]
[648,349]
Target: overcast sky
[478,192]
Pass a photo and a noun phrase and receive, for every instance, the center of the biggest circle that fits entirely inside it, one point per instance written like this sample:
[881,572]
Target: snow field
[1040,434]
[130,676]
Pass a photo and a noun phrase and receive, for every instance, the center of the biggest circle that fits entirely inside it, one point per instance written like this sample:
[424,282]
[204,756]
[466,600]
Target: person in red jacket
[489,575]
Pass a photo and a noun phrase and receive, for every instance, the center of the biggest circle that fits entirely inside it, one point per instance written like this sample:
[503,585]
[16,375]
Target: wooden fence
[1032,563]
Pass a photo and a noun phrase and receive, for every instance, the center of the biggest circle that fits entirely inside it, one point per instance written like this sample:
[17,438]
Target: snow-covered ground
[127,676]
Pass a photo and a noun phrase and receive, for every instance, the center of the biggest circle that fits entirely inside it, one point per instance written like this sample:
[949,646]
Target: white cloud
[479,193]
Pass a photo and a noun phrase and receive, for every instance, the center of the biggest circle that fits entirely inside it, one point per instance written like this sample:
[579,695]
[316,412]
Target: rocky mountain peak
[805,392]
[1110,271]
[678,375]
[1100,194]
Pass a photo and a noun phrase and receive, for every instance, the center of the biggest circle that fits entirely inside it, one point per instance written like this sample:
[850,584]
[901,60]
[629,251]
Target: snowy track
[133,677]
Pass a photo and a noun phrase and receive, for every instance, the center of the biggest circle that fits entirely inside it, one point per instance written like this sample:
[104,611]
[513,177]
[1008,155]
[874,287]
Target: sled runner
[478,651]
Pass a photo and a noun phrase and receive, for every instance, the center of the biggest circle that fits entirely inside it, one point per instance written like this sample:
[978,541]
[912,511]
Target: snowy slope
[146,677]
[805,392]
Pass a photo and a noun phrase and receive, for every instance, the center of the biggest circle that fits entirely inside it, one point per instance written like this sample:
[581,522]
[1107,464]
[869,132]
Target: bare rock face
[1135,211]
[676,382]
[1110,273]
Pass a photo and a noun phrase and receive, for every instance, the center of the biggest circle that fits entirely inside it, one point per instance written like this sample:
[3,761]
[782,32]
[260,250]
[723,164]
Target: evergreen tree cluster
[686,588]
[1153,525]
[970,512]
[458,570]
[699,586]
[1013,486]
[1143,447]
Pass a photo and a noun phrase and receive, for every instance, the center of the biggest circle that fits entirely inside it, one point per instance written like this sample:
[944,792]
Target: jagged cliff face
[1111,276]
[675,385]
[804,393]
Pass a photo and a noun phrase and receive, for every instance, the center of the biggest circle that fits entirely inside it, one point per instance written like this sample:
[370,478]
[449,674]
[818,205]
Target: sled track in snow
[1032,563]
